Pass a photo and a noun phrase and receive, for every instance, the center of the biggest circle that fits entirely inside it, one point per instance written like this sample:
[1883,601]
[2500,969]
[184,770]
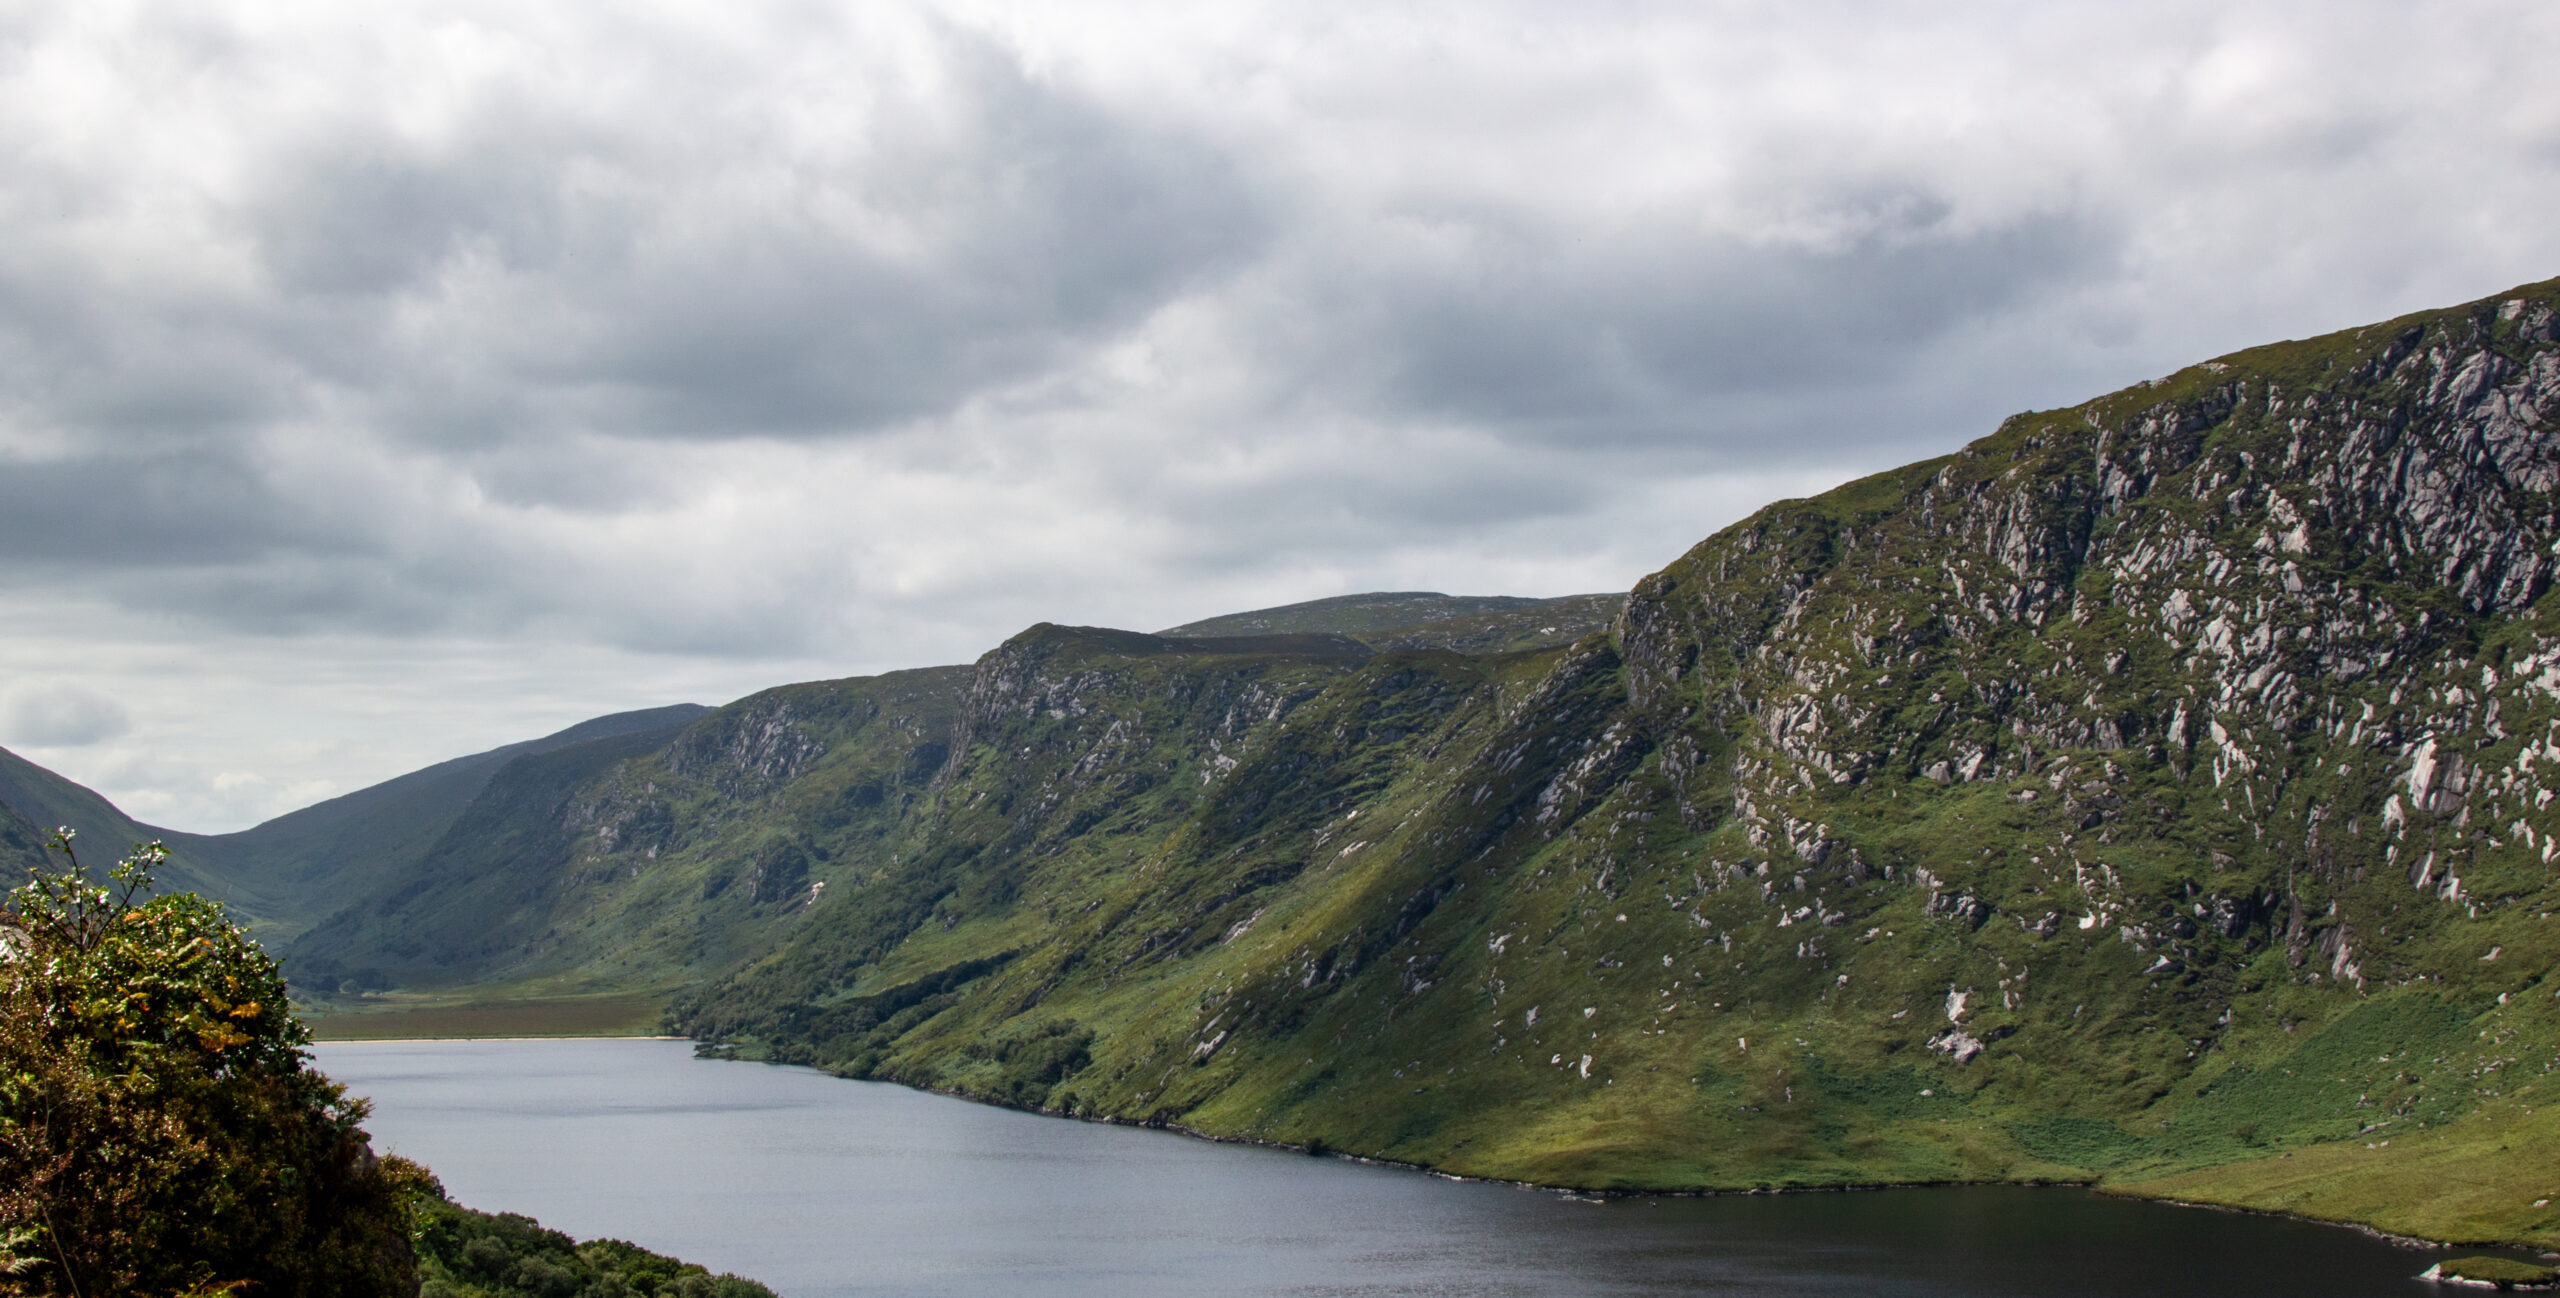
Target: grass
[2490,1179]
[631,1014]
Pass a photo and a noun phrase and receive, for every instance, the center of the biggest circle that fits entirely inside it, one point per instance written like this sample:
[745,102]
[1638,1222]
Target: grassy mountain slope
[646,859]
[35,801]
[1545,624]
[2155,790]
[22,841]
[308,863]
[609,869]
[280,877]
[1352,615]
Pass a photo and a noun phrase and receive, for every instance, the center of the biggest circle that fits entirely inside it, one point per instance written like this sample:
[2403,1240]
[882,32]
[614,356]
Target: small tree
[160,1130]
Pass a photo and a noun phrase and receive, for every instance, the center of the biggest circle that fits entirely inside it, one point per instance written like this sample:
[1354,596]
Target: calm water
[818,1186]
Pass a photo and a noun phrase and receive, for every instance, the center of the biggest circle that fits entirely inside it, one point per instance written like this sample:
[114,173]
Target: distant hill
[1544,624]
[306,864]
[1353,614]
[280,877]
[22,841]
[654,857]
[37,800]
[659,858]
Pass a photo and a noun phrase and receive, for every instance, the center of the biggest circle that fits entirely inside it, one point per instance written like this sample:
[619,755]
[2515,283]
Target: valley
[2154,793]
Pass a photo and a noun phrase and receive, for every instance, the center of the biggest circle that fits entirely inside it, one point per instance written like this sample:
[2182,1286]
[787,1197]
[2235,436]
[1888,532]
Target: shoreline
[1591,1194]
[588,1036]
[1580,1193]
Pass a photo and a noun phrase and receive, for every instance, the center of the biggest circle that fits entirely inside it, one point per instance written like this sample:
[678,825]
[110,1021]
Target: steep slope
[306,864]
[605,867]
[22,850]
[648,857]
[35,801]
[2156,789]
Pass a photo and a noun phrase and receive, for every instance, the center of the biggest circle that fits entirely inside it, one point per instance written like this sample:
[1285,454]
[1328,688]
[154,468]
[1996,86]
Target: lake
[819,1186]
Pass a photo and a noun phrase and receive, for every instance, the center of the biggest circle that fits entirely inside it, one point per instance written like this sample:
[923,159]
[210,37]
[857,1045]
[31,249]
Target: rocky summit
[2155,792]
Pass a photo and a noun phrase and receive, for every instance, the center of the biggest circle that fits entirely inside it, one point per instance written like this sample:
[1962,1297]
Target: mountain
[2155,791]
[35,801]
[1424,620]
[308,863]
[676,855]
[279,877]
[1543,625]
[648,858]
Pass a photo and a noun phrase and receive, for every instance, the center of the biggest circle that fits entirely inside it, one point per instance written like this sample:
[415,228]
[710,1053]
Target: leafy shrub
[1034,1064]
[468,1254]
[160,1130]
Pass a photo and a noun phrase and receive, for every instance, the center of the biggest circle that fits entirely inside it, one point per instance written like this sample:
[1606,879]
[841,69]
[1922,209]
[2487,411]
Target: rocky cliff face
[2290,597]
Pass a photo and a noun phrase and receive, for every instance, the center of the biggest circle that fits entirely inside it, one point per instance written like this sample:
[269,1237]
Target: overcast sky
[383,382]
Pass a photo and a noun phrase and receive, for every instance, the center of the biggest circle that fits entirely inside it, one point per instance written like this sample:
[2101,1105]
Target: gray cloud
[698,345]
[61,715]
[116,508]
[693,283]
[1643,334]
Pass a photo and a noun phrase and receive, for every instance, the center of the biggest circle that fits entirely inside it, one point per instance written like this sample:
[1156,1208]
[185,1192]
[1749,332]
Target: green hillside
[1354,615]
[1545,624]
[313,861]
[34,801]
[648,859]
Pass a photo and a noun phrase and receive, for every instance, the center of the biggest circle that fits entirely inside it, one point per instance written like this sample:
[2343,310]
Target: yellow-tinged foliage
[160,1132]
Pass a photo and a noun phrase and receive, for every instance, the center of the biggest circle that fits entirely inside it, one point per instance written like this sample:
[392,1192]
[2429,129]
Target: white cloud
[345,351]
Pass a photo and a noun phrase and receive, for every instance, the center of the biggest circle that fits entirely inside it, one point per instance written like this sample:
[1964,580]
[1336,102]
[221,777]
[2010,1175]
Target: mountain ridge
[1377,610]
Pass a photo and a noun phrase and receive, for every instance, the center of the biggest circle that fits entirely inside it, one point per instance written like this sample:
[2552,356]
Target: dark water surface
[819,1186]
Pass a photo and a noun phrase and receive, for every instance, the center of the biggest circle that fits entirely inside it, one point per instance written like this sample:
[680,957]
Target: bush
[468,1254]
[161,1132]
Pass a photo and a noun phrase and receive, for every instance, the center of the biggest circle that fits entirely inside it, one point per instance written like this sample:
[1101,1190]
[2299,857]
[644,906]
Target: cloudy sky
[384,382]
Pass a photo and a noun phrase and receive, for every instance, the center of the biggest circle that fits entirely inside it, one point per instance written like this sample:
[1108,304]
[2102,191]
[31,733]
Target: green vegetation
[159,1132]
[2151,794]
[162,1133]
[398,1016]
[1353,615]
[467,1254]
